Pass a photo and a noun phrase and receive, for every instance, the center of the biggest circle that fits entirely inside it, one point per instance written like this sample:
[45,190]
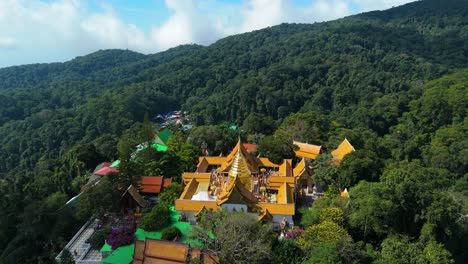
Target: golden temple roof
[236,193]
[300,169]
[285,169]
[265,216]
[203,209]
[307,151]
[241,151]
[342,150]
[202,165]
[284,194]
[239,168]
[344,193]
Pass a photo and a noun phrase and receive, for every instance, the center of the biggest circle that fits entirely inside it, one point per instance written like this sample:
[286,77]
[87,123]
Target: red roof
[151,184]
[151,180]
[250,147]
[167,182]
[105,170]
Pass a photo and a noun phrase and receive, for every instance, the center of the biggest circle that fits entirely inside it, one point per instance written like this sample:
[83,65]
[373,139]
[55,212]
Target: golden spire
[240,169]
[247,157]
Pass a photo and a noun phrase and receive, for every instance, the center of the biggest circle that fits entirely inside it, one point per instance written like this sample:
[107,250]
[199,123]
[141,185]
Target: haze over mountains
[399,75]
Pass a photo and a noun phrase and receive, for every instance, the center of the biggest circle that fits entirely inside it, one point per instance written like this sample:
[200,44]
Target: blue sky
[38,31]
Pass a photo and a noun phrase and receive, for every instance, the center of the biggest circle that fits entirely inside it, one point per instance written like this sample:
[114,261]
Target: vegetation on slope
[392,82]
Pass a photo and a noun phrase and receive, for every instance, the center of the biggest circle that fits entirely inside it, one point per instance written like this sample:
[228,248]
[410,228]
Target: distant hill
[341,68]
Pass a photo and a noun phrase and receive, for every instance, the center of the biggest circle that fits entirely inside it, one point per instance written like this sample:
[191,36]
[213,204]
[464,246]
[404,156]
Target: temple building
[310,152]
[307,151]
[342,150]
[242,182]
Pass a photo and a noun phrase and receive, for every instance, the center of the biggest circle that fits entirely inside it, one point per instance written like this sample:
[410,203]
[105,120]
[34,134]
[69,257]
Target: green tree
[332,214]
[234,237]
[188,153]
[324,232]
[305,127]
[98,239]
[66,257]
[323,253]
[156,219]
[286,251]
[326,172]
[98,200]
[106,146]
[412,189]
[171,193]
[256,123]
[276,149]
[357,166]
[310,216]
[399,249]
[372,209]
[171,233]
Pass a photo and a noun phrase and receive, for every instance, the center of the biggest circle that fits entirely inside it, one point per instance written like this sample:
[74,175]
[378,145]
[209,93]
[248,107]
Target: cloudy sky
[33,31]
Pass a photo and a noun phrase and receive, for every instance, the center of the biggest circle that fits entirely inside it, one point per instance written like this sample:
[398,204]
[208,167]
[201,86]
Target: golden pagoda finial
[240,169]
[239,149]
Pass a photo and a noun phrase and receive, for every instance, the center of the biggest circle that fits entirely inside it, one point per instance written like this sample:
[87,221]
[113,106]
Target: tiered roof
[236,193]
[342,150]
[153,184]
[240,167]
[239,150]
[239,170]
[307,151]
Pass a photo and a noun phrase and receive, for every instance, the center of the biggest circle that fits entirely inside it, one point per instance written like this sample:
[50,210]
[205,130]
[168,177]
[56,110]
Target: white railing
[74,238]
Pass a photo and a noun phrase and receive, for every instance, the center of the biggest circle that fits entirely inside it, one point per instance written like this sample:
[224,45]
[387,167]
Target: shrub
[294,233]
[67,257]
[286,252]
[171,193]
[171,233]
[120,237]
[98,239]
[310,217]
[155,219]
[332,214]
[325,232]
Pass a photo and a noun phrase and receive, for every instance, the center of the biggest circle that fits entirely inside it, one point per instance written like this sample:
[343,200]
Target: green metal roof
[115,164]
[159,147]
[164,135]
[124,254]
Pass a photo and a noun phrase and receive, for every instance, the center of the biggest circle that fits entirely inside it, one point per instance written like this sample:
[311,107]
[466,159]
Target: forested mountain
[393,81]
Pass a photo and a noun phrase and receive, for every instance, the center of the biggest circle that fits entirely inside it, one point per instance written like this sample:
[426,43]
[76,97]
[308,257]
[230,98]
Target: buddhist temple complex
[242,182]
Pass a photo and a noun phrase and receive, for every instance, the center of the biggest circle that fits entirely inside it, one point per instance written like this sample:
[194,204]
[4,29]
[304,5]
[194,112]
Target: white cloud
[263,13]
[58,30]
[7,42]
[257,14]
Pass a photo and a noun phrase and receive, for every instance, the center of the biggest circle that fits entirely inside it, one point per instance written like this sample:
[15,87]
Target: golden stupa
[240,169]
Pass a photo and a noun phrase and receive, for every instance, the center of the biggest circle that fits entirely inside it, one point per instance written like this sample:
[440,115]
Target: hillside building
[242,182]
